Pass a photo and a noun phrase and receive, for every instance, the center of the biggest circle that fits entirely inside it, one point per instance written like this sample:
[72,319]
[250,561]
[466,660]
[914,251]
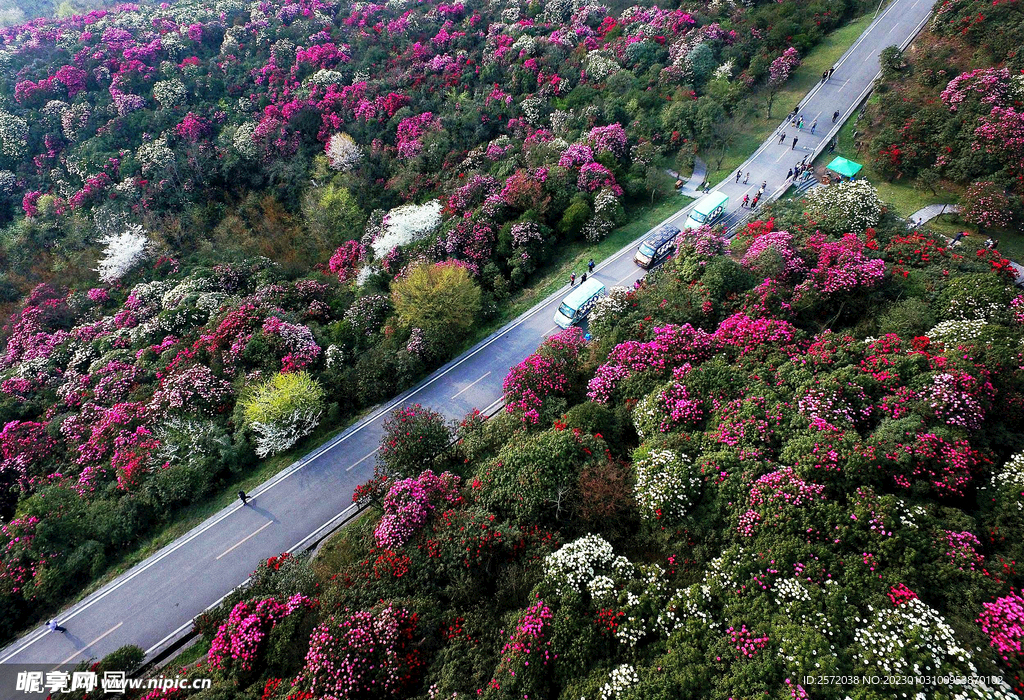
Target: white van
[579,302]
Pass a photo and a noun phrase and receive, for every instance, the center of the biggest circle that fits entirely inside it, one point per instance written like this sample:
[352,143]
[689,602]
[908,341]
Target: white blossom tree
[343,153]
[124,250]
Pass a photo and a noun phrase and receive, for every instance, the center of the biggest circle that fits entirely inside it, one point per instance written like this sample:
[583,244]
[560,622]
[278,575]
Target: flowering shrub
[847,207]
[412,436]
[667,484]
[124,251]
[342,152]
[409,503]
[587,564]
[551,371]
[238,642]
[912,636]
[364,652]
[283,410]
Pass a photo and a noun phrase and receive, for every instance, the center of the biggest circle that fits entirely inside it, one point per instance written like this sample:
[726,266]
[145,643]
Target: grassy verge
[754,127]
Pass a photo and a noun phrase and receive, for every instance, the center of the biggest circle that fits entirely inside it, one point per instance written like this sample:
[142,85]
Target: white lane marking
[245,539]
[79,651]
[350,468]
[471,386]
[550,330]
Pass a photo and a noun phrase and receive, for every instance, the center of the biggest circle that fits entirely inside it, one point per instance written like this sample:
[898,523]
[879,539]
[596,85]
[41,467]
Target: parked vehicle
[707,210]
[578,304]
[660,244]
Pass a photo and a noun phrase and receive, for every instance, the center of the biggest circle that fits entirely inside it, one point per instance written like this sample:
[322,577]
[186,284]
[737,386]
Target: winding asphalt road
[154,603]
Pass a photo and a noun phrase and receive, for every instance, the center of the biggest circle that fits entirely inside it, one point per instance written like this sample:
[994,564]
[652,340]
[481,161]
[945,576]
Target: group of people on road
[827,75]
[572,275]
[803,168]
[752,203]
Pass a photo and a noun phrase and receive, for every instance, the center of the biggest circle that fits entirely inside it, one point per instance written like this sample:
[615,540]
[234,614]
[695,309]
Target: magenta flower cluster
[237,643]
[409,503]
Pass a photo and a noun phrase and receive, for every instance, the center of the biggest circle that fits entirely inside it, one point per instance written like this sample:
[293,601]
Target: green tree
[282,410]
[442,300]
[332,216]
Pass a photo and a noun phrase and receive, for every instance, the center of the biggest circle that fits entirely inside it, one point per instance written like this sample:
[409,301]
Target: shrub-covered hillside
[228,226]
[800,456]
[948,112]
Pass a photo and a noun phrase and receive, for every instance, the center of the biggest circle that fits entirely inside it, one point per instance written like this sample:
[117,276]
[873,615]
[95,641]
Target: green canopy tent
[846,168]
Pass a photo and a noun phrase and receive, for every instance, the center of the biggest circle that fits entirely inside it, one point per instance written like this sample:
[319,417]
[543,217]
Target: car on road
[579,302]
[660,244]
[707,210]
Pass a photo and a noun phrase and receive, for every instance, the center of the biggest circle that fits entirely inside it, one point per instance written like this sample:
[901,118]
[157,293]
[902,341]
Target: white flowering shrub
[124,251]
[587,564]
[1008,482]
[846,207]
[598,66]
[913,639]
[621,679]
[342,152]
[957,332]
[243,141]
[274,438]
[667,484]
[13,136]
[7,181]
[609,307]
[406,224]
[155,156]
[169,93]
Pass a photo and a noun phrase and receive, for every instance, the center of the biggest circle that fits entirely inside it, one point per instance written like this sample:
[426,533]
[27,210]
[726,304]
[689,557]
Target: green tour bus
[579,303]
[707,210]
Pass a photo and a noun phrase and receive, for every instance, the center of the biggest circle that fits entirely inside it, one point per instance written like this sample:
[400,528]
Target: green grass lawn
[756,127]
[1011,243]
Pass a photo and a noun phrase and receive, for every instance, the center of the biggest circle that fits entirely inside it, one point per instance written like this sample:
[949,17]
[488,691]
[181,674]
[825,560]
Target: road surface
[154,603]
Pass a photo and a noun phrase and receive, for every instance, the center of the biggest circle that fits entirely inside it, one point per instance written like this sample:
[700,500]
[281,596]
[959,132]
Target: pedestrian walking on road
[753,202]
[764,184]
[824,76]
[572,279]
[590,266]
[789,175]
[782,138]
[835,116]
[243,497]
[746,178]
[814,126]
[54,627]
[793,147]
[830,72]
[738,173]
[800,122]
[746,200]
[583,278]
